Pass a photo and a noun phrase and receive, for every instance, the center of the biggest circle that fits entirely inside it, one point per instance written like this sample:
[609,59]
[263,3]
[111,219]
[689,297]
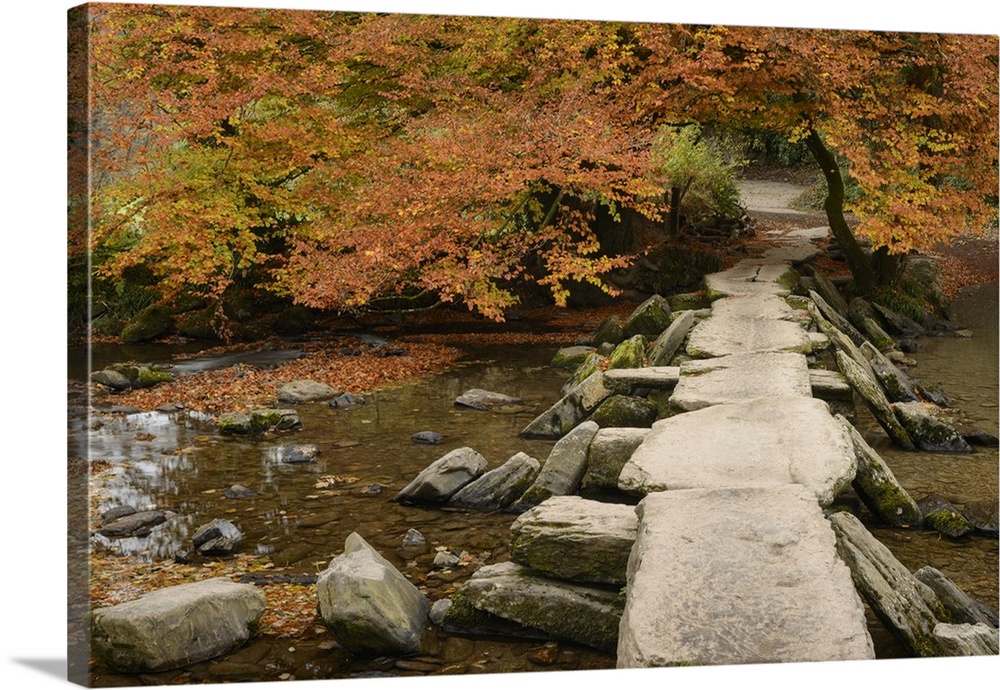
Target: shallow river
[302,513]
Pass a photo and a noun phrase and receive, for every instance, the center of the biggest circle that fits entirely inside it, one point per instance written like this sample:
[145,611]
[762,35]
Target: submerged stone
[927,431]
[942,516]
[257,421]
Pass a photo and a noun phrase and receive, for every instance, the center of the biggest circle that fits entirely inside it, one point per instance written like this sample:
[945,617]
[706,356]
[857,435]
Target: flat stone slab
[792,250]
[738,576]
[749,277]
[719,336]
[762,443]
[623,381]
[739,378]
[813,234]
[757,307]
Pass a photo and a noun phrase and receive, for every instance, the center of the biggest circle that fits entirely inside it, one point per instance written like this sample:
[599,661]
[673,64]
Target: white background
[32,308]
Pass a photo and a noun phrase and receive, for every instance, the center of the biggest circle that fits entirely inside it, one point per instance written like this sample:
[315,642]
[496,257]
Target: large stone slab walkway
[734,560]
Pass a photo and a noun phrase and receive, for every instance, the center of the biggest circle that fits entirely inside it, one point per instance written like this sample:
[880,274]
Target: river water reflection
[301,514]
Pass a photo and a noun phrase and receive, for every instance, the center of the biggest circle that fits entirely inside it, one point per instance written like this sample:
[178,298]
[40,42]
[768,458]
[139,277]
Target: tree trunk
[674,214]
[859,263]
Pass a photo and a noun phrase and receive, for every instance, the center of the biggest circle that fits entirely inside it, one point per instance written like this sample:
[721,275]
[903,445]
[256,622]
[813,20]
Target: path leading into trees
[734,561]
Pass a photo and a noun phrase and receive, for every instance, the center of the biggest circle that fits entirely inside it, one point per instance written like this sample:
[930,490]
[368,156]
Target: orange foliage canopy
[346,158]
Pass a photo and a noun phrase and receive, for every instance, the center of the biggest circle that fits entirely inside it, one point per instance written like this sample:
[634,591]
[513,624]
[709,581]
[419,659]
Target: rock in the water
[624,411]
[927,431]
[592,364]
[507,591]
[872,394]
[571,357]
[907,606]
[981,438]
[479,399]
[217,538]
[129,375]
[669,342]
[440,480]
[942,516]
[305,391]
[575,539]
[961,607]
[649,319]
[238,491]
[498,488]
[127,525]
[983,515]
[897,385]
[370,608]
[563,469]
[347,401]
[258,421]
[967,640]
[298,453]
[876,485]
[427,438]
[609,450]
[897,323]
[177,626]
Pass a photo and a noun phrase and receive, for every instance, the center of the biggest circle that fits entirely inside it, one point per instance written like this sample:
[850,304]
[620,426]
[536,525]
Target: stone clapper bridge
[734,561]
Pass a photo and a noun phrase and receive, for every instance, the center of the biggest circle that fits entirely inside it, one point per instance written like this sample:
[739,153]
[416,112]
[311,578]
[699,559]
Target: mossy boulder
[649,319]
[625,411]
[258,421]
[124,376]
[609,331]
[927,431]
[630,354]
[199,325]
[575,539]
[153,322]
[669,342]
[589,366]
[571,357]
[942,516]
[688,300]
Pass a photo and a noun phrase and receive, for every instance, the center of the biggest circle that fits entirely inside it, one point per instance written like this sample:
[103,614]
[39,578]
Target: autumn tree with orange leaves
[348,160]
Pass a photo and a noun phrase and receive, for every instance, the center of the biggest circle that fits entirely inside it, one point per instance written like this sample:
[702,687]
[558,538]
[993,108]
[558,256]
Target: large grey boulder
[217,538]
[371,609]
[877,486]
[570,410]
[964,639]
[575,539]
[499,487]
[872,394]
[563,470]
[587,615]
[668,343]
[960,606]
[136,521]
[927,431]
[907,606]
[257,421]
[479,399]
[648,319]
[176,626]
[305,391]
[440,480]
[739,378]
[795,440]
[740,575]
[609,450]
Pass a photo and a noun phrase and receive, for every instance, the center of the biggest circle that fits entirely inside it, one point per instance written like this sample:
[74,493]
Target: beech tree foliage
[347,159]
